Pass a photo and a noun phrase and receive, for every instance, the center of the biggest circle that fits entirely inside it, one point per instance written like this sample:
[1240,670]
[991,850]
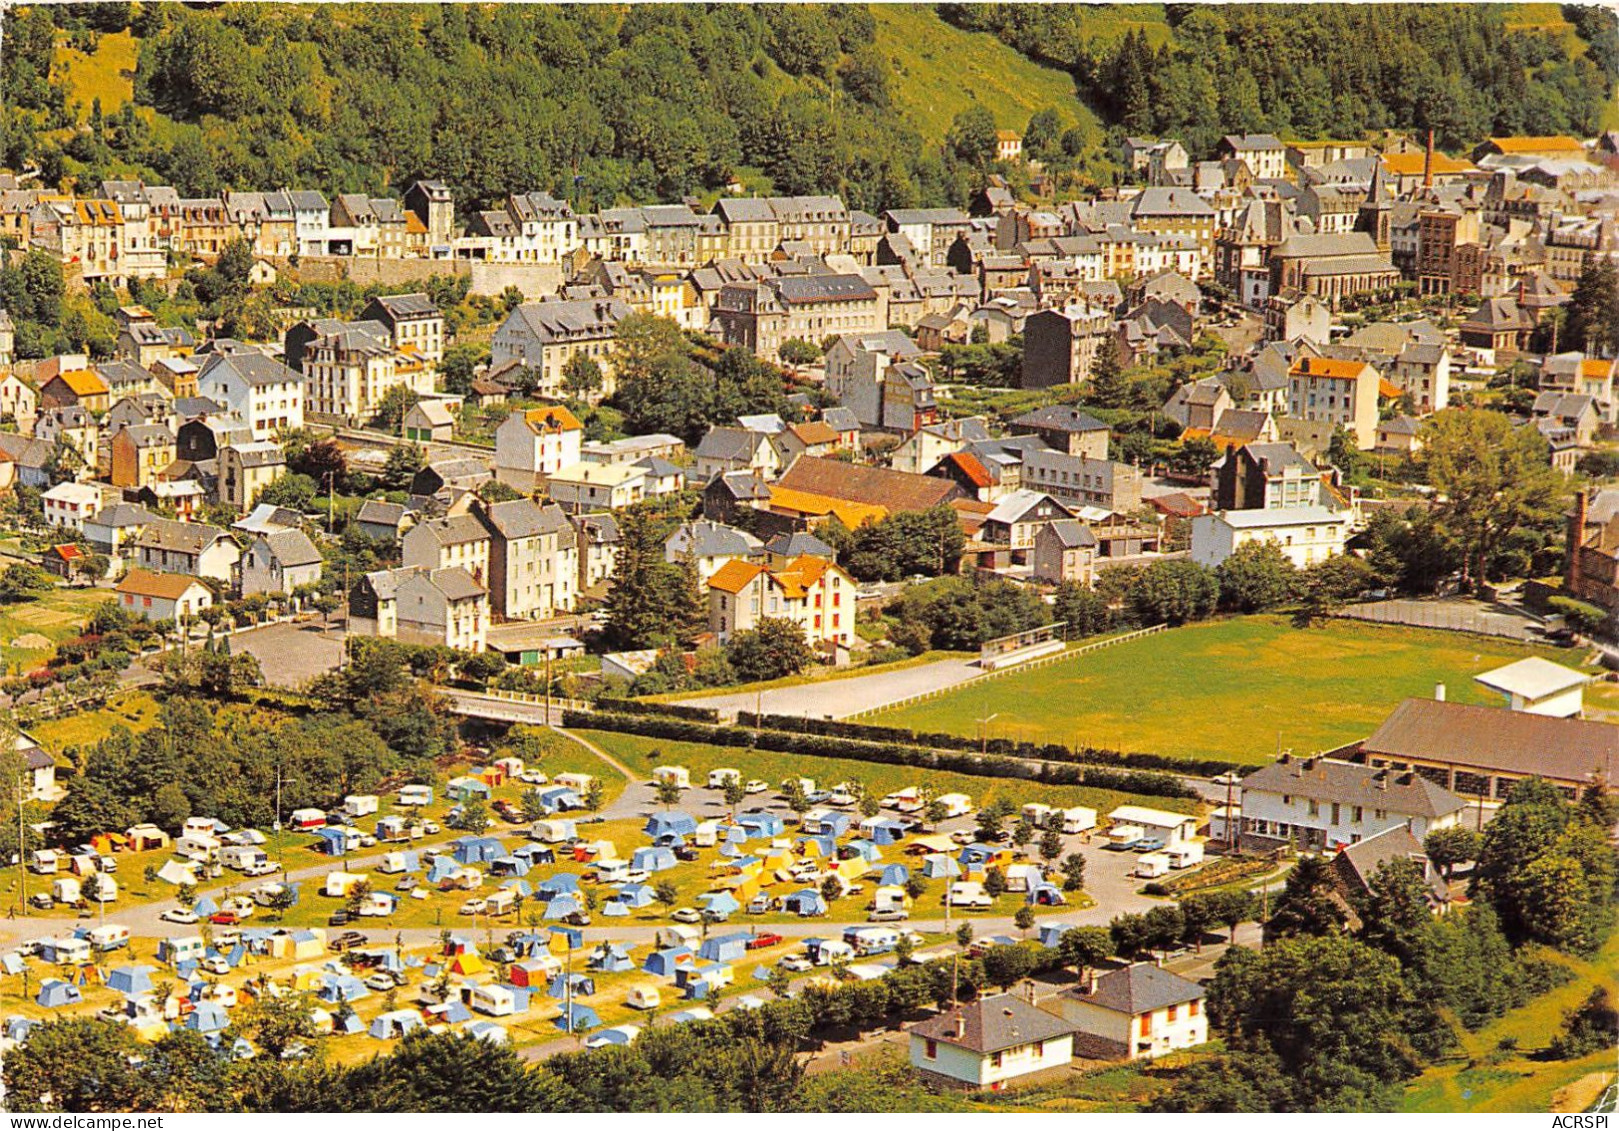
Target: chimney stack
[1427,163]
[961,1026]
[1576,538]
[1438,693]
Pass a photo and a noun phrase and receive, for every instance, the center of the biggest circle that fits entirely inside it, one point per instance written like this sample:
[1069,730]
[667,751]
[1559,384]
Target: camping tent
[55,993]
[634,895]
[488,1031]
[610,958]
[390,1026]
[477,849]
[207,1018]
[673,823]
[617,1035]
[583,985]
[761,824]
[131,981]
[653,859]
[719,903]
[893,874]
[562,906]
[341,988]
[725,948]
[805,903]
[584,1018]
[563,883]
[664,962]
[939,866]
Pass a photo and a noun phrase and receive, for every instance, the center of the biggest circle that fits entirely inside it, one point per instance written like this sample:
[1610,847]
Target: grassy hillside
[108,74]
[940,70]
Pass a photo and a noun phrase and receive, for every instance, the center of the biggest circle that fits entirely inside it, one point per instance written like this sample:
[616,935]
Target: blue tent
[584,1018]
[881,830]
[653,859]
[347,1024]
[561,800]
[725,948]
[455,1011]
[834,823]
[730,850]
[509,866]
[1046,895]
[975,854]
[535,854]
[488,1031]
[613,909]
[634,895]
[939,866]
[572,937]
[719,903]
[760,823]
[18,1028]
[583,985]
[610,958]
[55,993]
[464,788]
[442,869]
[208,1017]
[893,874]
[204,906]
[521,887]
[342,987]
[617,1036]
[131,981]
[477,849]
[697,989]
[805,903]
[562,906]
[864,849]
[332,841]
[563,883]
[665,962]
[396,1024]
[673,823]
[1050,934]
[736,834]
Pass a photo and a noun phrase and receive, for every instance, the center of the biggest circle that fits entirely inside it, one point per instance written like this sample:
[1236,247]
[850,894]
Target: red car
[225,919]
[759,942]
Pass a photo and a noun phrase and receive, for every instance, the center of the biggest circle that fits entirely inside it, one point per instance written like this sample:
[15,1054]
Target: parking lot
[291,654]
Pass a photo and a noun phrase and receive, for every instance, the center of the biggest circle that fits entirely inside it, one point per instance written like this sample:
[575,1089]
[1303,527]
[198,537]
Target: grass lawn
[56,616]
[940,70]
[1235,689]
[1521,1082]
[136,710]
[108,74]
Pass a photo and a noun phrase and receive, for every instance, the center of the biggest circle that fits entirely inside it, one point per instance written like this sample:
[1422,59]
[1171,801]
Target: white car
[474,907]
[533,777]
[216,965]
[755,786]
[261,868]
[795,964]
[179,915]
[381,982]
[687,915]
[241,904]
[431,828]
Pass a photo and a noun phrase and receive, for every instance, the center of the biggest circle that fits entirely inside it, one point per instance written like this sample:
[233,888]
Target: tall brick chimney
[1427,163]
[1576,539]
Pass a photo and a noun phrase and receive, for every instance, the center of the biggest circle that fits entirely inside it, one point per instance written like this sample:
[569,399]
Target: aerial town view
[909,558]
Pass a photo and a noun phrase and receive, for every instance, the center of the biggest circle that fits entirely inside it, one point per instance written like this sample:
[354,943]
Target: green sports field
[1236,689]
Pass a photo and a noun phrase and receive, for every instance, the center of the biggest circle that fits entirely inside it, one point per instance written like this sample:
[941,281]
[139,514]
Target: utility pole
[331,501]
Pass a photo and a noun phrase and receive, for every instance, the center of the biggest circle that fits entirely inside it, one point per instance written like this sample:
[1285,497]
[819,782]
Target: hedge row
[893,754]
[1050,752]
[672,710]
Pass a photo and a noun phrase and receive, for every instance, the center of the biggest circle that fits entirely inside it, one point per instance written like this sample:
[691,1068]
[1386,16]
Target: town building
[1321,804]
[990,1043]
[1137,1012]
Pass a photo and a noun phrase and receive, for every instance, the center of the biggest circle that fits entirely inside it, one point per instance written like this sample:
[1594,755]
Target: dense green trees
[652,601]
[1325,71]
[902,545]
[774,649]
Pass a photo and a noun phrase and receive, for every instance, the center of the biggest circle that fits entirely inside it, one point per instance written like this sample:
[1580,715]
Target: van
[110,937]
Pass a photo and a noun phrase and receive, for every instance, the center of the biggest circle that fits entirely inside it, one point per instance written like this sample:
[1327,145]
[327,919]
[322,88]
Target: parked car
[261,868]
[42,900]
[406,884]
[368,841]
[687,915]
[348,940]
[759,942]
[533,777]
[686,853]
[474,907]
[337,919]
[224,918]
[580,918]
[179,915]
[506,811]
[889,915]
[380,982]
[964,836]
[795,964]
[755,786]
[1230,777]
[431,828]
[216,965]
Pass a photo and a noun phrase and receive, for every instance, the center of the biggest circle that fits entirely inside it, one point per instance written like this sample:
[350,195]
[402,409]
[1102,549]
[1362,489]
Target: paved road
[835,698]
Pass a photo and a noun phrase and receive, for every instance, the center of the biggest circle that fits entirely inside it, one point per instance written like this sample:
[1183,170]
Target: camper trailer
[200,826]
[643,997]
[501,902]
[1079,819]
[1151,865]
[1184,854]
[340,884]
[195,846]
[577,782]
[65,889]
[305,820]
[679,776]
[265,894]
[66,951]
[241,857]
[44,861]
[101,888]
[415,795]
[109,937]
[969,893]
[956,805]
[722,777]
[395,862]
[1123,836]
[360,804]
[553,832]
[1037,814]
[496,1001]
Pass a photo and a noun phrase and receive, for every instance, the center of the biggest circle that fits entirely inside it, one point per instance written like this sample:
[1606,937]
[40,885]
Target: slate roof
[375,512]
[993,1024]
[292,548]
[1350,783]
[1060,418]
[1140,988]
[253,369]
[524,518]
[1072,534]
[179,537]
[1496,739]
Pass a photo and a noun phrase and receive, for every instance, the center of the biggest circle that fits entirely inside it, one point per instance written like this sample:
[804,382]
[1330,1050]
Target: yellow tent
[747,889]
[307,977]
[467,964]
[853,868]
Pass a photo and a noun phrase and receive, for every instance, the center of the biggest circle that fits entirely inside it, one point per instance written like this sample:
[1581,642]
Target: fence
[1029,665]
[556,702]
